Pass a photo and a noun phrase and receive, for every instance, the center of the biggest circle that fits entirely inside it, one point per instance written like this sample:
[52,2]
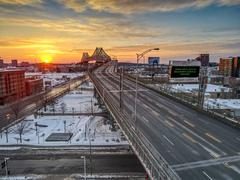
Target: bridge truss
[99,56]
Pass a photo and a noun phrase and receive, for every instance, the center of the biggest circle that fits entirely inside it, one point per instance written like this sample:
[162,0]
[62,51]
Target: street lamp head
[156,49]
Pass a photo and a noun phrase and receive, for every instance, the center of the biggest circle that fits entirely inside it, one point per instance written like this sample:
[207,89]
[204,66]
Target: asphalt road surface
[106,164]
[183,136]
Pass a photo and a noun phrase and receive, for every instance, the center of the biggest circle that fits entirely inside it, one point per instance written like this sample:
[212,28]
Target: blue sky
[64,29]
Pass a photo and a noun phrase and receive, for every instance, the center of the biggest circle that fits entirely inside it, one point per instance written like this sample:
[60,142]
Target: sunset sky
[61,30]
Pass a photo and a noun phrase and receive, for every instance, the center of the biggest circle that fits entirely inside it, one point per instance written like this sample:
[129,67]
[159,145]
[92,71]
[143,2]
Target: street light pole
[84,164]
[141,55]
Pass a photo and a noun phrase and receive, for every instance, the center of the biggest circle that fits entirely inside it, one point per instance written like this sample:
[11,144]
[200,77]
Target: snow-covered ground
[88,85]
[23,177]
[75,101]
[54,78]
[223,103]
[83,128]
[194,87]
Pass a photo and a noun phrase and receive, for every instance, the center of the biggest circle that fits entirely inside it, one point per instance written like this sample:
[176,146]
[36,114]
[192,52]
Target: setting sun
[46,59]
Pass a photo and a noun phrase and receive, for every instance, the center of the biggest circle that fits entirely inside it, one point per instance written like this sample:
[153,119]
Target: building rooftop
[11,70]
[185,63]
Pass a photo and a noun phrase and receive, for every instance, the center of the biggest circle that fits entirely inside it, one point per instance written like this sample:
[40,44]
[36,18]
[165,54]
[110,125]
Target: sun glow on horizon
[46,58]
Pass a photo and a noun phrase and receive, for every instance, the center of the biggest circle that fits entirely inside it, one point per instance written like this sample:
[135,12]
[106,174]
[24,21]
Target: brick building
[12,85]
[230,67]
[225,66]
[33,85]
[236,67]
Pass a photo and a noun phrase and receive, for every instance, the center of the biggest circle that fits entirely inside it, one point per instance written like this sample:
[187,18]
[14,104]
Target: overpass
[171,140]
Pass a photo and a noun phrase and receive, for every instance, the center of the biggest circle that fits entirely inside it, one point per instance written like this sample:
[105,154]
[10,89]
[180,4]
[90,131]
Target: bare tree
[44,102]
[16,109]
[52,105]
[21,128]
[63,107]
[234,84]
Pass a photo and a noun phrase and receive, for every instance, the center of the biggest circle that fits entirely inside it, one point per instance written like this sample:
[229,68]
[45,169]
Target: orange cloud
[20,2]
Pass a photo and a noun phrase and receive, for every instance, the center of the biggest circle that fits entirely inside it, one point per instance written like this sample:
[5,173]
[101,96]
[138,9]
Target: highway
[194,145]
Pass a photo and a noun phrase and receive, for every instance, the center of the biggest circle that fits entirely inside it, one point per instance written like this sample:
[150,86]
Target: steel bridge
[99,56]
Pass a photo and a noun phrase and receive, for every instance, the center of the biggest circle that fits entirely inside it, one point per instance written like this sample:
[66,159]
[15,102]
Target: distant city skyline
[61,30]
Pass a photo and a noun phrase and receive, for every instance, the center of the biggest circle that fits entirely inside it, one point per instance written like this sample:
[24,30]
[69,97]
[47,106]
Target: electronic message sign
[185,71]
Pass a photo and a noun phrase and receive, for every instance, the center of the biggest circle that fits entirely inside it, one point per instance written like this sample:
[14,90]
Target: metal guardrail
[155,165]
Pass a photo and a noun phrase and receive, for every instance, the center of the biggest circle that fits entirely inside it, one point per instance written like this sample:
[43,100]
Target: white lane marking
[144,119]
[206,163]
[196,135]
[211,152]
[234,168]
[207,175]
[159,105]
[237,138]
[172,112]
[155,113]
[189,138]
[168,123]
[147,107]
[190,124]
[213,137]
[168,140]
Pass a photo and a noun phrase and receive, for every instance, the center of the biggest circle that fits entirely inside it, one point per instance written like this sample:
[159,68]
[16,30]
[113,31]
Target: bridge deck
[187,139]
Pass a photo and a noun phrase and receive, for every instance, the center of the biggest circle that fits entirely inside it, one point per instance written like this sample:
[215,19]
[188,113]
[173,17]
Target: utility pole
[135,107]
[90,150]
[6,166]
[120,91]
[92,106]
[6,132]
[122,100]
[202,87]
[65,129]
